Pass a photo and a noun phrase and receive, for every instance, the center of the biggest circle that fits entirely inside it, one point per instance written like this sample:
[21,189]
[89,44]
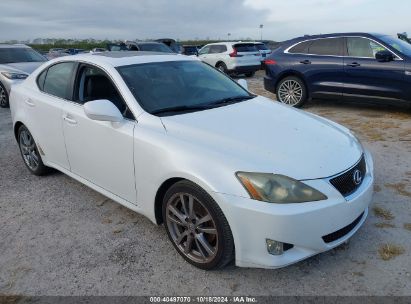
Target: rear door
[322,66]
[45,107]
[366,77]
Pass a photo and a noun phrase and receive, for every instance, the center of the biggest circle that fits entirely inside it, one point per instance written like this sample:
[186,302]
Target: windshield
[179,84]
[12,55]
[397,44]
[155,47]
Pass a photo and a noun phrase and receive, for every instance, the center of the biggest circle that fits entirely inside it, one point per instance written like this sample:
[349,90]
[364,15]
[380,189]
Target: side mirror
[103,110]
[384,56]
[243,83]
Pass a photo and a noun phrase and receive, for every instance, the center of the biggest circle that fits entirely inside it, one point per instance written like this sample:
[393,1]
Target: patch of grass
[10,299]
[399,188]
[383,213]
[118,231]
[390,251]
[384,225]
[407,226]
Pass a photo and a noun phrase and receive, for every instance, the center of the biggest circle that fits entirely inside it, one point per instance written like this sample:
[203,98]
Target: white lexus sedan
[232,175]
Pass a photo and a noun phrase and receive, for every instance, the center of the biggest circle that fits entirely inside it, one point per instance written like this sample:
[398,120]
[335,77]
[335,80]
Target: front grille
[342,232]
[345,183]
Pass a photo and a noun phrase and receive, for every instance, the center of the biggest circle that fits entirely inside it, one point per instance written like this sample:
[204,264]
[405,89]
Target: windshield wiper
[181,109]
[232,100]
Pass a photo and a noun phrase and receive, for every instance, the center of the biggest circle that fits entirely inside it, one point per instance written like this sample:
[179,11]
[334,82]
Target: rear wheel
[292,91]
[197,227]
[222,67]
[4,97]
[30,153]
[250,74]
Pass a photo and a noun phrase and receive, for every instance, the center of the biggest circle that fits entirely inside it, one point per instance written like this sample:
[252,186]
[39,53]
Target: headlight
[11,75]
[280,189]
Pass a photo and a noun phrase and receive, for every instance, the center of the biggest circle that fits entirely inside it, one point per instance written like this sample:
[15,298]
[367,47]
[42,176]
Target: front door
[100,152]
[366,77]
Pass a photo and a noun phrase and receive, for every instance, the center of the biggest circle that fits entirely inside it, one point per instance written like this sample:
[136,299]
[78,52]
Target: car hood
[260,135]
[25,67]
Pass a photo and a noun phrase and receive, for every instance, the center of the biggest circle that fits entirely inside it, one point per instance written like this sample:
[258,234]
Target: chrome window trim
[286,51]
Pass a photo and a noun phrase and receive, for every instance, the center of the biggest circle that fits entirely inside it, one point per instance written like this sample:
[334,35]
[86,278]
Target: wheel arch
[158,200]
[16,128]
[293,73]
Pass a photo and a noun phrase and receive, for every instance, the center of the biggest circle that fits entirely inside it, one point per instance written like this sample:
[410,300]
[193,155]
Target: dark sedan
[350,66]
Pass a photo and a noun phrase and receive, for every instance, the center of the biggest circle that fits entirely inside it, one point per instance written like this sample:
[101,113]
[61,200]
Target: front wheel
[197,227]
[4,97]
[30,153]
[292,91]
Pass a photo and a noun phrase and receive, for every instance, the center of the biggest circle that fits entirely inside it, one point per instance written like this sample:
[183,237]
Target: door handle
[29,102]
[305,62]
[354,64]
[69,119]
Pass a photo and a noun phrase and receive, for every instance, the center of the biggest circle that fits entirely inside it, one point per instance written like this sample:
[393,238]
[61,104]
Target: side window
[216,49]
[362,47]
[92,84]
[301,48]
[57,80]
[41,78]
[204,50]
[327,46]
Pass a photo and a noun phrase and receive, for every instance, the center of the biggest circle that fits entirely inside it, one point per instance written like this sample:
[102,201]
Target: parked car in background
[190,50]
[348,65]
[148,46]
[73,51]
[17,61]
[264,50]
[404,36]
[231,175]
[172,44]
[232,57]
[98,50]
[55,53]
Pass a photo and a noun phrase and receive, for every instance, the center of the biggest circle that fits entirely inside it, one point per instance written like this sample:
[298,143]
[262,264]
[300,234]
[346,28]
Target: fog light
[274,247]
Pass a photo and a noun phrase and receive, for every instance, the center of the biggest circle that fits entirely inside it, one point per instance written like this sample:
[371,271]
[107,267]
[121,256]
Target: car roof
[7,46]
[365,34]
[122,58]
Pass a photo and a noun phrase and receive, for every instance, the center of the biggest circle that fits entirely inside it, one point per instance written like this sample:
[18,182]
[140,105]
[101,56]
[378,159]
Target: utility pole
[261,32]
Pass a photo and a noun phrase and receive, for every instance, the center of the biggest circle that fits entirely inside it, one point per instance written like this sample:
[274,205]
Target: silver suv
[17,61]
[232,57]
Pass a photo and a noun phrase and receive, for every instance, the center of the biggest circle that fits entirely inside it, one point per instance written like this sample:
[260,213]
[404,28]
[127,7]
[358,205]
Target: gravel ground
[59,237]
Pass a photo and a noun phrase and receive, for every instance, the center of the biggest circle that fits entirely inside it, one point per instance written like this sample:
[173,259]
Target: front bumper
[303,225]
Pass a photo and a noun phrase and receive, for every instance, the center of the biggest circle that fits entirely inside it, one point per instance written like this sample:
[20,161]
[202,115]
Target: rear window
[245,47]
[261,47]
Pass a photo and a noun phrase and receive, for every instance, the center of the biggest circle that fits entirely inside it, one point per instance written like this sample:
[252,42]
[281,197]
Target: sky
[198,19]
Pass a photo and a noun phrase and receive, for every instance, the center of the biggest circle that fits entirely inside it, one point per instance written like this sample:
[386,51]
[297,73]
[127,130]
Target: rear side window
[58,79]
[301,48]
[215,49]
[329,46]
[245,47]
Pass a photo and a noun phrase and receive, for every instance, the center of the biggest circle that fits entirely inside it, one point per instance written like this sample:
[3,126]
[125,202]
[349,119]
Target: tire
[4,97]
[211,244]
[250,74]
[30,153]
[222,67]
[292,91]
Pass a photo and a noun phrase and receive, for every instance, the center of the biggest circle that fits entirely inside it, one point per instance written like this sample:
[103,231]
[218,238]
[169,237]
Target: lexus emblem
[357,177]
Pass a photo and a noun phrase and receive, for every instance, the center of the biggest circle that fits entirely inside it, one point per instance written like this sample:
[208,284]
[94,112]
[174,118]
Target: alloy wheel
[29,150]
[3,97]
[192,228]
[290,92]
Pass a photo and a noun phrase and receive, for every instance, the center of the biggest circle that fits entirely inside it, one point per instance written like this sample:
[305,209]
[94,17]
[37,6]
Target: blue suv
[349,65]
